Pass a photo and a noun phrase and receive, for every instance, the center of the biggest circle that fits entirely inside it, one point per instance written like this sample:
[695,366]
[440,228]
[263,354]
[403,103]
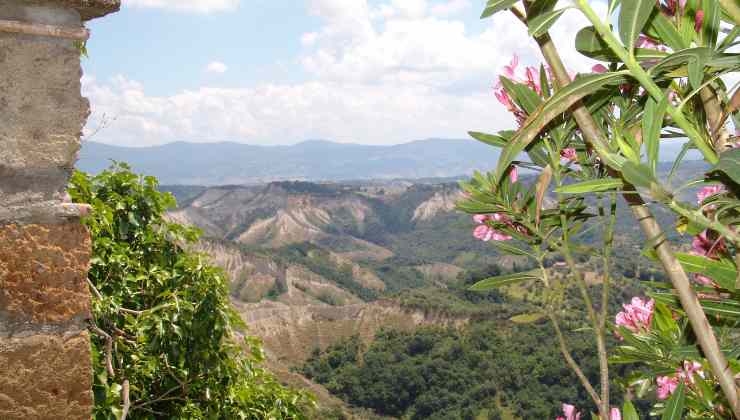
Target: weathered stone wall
[45,366]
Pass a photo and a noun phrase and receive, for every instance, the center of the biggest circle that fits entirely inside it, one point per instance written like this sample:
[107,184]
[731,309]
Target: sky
[274,72]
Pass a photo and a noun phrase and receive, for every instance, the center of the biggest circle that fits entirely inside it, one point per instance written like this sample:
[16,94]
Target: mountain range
[226,163]
[314,160]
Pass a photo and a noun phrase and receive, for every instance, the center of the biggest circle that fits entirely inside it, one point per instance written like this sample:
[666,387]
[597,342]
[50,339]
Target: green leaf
[696,71]
[652,123]
[633,16]
[638,174]
[629,412]
[498,281]
[710,26]
[522,94]
[661,28]
[552,108]
[729,164]
[541,23]
[542,183]
[489,139]
[495,6]
[594,185]
[674,406]
[724,273]
[682,57]
[590,44]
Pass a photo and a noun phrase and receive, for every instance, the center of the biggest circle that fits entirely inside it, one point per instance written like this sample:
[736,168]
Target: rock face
[291,333]
[44,251]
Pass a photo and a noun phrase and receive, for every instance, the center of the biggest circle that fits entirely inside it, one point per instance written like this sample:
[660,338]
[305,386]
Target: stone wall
[45,366]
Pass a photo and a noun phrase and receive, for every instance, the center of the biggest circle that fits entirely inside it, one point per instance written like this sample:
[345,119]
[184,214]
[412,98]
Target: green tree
[165,339]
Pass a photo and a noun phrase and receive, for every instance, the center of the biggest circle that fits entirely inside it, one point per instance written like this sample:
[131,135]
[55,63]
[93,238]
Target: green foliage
[162,318]
[437,373]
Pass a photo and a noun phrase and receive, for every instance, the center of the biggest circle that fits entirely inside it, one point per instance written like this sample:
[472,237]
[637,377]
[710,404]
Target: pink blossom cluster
[531,78]
[569,154]
[486,233]
[704,244]
[636,316]
[571,413]
[668,384]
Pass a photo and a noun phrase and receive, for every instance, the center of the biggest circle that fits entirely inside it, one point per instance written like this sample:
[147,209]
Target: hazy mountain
[314,160]
[232,163]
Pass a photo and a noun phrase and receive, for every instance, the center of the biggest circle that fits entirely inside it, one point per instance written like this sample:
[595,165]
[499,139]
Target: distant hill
[315,160]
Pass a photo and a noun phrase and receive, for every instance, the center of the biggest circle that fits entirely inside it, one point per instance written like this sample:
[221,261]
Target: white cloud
[391,73]
[216,67]
[450,7]
[190,6]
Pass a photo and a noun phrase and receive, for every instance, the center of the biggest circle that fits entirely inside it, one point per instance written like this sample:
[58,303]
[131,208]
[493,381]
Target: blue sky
[283,71]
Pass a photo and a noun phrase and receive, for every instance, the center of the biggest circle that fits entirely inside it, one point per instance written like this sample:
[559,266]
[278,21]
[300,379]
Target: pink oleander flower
[698,20]
[666,386]
[514,174]
[481,218]
[486,233]
[704,246]
[708,191]
[599,68]
[570,413]
[636,316]
[647,42]
[615,414]
[690,368]
[510,70]
[569,154]
[533,79]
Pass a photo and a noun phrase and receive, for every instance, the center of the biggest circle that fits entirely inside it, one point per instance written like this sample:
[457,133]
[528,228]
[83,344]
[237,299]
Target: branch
[126,400]
[108,348]
[572,363]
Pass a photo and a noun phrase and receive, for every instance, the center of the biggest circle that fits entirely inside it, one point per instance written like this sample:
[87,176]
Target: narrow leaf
[652,124]
[553,107]
[542,22]
[594,185]
[674,407]
[629,412]
[490,139]
[498,281]
[633,16]
[542,185]
[638,175]
[729,164]
[495,6]
[661,28]
[723,273]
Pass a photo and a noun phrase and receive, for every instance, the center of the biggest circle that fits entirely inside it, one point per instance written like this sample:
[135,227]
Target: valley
[314,266]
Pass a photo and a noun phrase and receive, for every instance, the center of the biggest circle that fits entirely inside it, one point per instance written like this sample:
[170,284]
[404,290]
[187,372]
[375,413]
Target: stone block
[46,377]
[43,273]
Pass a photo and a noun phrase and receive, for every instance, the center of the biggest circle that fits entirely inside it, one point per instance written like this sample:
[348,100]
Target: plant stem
[702,220]
[646,81]
[564,346]
[572,363]
[650,227]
